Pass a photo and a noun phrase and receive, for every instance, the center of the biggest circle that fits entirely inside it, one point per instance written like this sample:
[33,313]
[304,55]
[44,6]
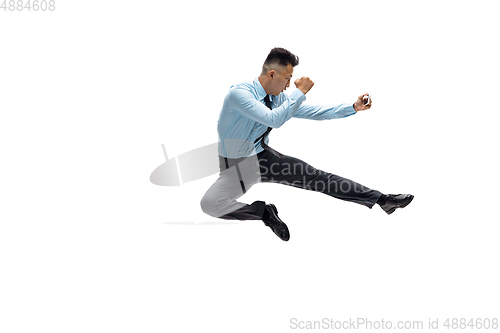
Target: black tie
[263,136]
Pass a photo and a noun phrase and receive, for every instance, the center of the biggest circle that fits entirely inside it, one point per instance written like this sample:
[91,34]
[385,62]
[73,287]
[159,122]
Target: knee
[208,205]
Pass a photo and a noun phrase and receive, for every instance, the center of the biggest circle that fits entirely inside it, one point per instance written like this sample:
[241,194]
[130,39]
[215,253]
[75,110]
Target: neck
[264,82]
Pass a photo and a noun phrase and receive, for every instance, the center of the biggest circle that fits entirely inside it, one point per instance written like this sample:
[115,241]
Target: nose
[288,83]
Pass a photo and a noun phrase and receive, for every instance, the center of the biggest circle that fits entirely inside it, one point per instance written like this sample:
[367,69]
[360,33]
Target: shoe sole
[286,227]
[389,212]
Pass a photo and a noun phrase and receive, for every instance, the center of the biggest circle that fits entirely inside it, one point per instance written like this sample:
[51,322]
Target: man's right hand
[304,84]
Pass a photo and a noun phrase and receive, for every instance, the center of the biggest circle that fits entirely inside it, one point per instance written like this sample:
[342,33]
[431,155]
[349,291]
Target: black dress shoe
[394,201]
[275,223]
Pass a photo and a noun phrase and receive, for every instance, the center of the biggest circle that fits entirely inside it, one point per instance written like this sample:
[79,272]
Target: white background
[90,91]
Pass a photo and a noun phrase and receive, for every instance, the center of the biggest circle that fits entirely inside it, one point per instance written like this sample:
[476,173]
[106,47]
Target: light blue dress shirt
[245,117]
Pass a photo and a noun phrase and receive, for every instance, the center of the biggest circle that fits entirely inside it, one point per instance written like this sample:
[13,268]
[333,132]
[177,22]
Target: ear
[271,73]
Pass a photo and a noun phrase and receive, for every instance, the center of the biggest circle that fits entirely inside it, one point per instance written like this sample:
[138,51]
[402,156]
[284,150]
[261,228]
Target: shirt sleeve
[324,112]
[244,102]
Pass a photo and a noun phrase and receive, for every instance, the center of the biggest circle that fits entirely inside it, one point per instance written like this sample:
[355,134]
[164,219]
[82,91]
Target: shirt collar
[261,93]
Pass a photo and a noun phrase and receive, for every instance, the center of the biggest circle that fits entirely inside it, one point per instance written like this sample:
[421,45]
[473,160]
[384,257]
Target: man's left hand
[360,103]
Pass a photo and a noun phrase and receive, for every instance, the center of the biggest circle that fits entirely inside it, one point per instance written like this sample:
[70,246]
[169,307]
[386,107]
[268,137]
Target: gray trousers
[238,175]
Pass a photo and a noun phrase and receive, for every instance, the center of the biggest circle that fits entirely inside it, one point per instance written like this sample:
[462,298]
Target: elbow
[277,123]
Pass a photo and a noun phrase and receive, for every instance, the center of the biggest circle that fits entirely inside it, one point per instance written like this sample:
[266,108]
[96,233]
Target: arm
[244,102]
[324,112]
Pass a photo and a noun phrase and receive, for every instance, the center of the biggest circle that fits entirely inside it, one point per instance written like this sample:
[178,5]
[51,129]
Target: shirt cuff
[349,110]
[298,95]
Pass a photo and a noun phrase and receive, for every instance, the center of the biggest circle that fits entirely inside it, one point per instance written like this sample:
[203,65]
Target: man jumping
[250,111]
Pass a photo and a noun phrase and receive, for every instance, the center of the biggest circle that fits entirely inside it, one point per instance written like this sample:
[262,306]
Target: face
[281,80]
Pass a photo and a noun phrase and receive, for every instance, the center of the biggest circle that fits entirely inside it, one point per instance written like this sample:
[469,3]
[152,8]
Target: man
[250,111]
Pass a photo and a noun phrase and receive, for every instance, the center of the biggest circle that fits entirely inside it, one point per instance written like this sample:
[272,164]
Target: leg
[295,172]
[236,177]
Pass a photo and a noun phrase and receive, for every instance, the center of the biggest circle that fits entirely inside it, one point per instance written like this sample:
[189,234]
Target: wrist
[354,107]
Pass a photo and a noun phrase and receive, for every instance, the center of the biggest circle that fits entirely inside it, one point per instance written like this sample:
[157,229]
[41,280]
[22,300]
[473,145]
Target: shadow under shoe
[394,201]
[275,223]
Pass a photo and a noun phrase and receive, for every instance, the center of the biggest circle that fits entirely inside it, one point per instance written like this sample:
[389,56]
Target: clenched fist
[360,105]
[304,84]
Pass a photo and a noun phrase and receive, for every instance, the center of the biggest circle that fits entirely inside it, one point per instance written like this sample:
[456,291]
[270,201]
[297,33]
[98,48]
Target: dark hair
[280,56]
